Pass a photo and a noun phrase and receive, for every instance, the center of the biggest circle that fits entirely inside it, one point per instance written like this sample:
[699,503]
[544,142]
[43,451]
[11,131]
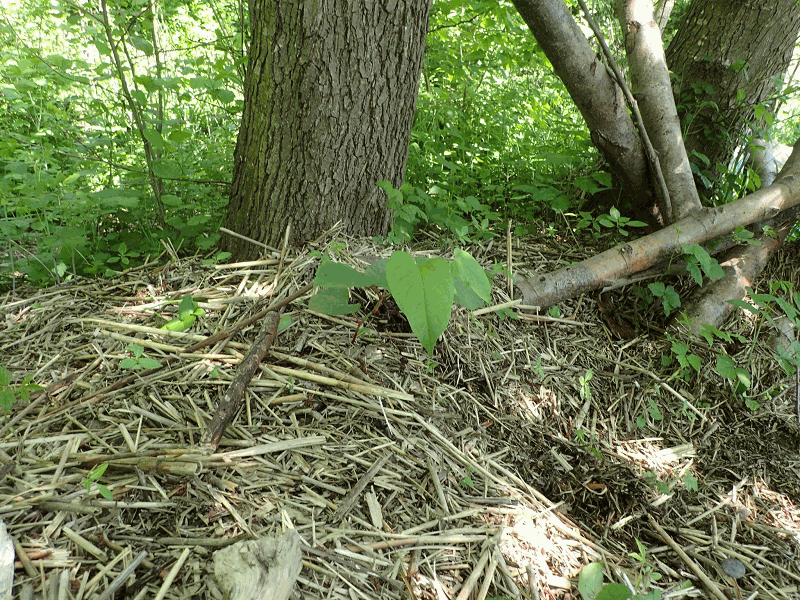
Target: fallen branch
[232,400]
[701,226]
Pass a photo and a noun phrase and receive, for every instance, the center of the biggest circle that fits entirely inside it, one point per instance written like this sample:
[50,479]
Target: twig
[247,239]
[232,400]
[120,579]
[355,493]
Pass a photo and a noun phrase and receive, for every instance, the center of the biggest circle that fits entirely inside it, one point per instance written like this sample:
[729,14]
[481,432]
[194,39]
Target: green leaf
[725,366]
[171,200]
[472,287]
[285,322]
[167,169]
[179,135]
[225,96]
[72,237]
[338,275]
[728,369]
[709,265]
[186,307]
[424,293]
[104,491]
[148,363]
[745,305]
[98,471]
[155,139]
[377,271]
[332,301]
[605,221]
[141,44]
[178,324]
[614,591]
[7,399]
[694,271]
[590,580]
[5,376]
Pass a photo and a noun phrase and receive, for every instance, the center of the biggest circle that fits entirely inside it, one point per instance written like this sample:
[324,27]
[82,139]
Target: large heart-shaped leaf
[424,293]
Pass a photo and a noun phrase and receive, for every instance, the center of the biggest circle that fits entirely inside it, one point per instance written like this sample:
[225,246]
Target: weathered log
[259,569]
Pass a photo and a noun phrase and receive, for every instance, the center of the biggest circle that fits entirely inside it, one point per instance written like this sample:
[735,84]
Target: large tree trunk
[329,101]
[720,48]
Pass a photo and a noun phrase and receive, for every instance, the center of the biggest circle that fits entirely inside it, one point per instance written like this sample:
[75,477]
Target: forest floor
[527,447]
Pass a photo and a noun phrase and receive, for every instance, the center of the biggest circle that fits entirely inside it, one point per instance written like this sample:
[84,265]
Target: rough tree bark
[727,52]
[594,92]
[329,100]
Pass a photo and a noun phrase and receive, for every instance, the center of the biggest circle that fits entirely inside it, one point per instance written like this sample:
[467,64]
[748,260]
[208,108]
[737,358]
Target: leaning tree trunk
[705,225]
[653,93]
[329,100]
[595,93]
[724,56]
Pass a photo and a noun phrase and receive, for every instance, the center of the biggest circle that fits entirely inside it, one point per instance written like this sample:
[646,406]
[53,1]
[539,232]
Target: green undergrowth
[423,288]
[77,195]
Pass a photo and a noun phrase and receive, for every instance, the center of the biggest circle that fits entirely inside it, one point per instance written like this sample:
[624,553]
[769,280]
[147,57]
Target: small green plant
[123,257]
[742,235]
[92,480]
[424,289]
[591,586]
[218,258]
[188,311]
[647,573]
[669,297]
[727,367]
[138,361]
[585,390]
[615,220]
[466,481]
[654,411]
[687,360]
[590,441]
[773,307]
[10,393]
[699,263]
[464,217]
[654,482]
[690,481]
